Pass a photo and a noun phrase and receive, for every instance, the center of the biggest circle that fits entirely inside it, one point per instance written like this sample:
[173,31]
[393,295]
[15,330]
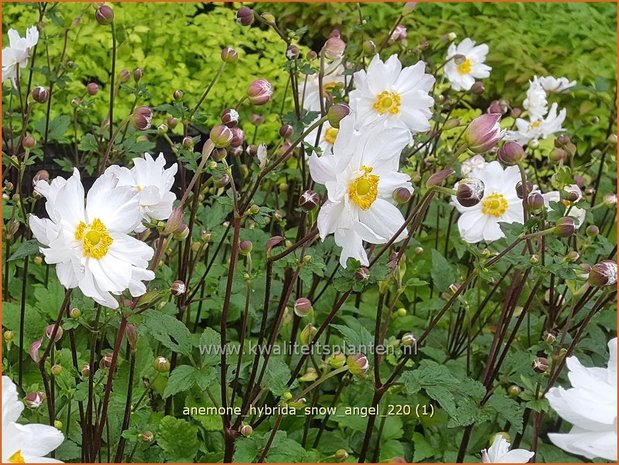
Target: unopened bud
[337,113]
[540,364]
[246,430]
[49,331]
[514,391]
[221,135]
[556,155]
[565,226]
[28,142]
[478,88]
[147,436]
[309,200]
[520,191]
[334,48]
[245,247]
[230,117]
[260,92]
[303,307]
[124,75]
[357,364]
[178,287]
[603,273]
[178,94]
[40,94]
[592,230]
[307,334]
[401,195]
[572,256]
[229,55]
[341,455]
[535,201]
[104,15]
[511,153]
[470,191]
[142,118]
[161,364]
[437,178]
[106,361]
[292,52]
[245,16]
[286,131]
[35,399]
[362,274]
[92,88]
[238,137]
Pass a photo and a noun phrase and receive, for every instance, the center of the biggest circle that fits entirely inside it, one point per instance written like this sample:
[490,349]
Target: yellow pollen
[535,124]
[140,187]
[494,205]
[363,190]
[387,102]
[328,87]
[330,135]
[465,67]
[94,237]
[17,458]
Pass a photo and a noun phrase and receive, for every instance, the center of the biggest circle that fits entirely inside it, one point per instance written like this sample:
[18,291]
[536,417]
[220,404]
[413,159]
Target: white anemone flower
[539,128]
[499,204]
[552,84]
[393,95]
[463,73]
[591,406]
[326,140]
[499,452]
[90,245]
[475,162]
[309,90]
[24,443]
[17,54]
[152,183]
[536,102]
[361,175]
[578,214]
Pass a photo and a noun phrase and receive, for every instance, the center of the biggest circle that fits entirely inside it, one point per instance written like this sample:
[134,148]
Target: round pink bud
[357,364]
[286,131]
[42,175]
[334,48]
[92,88]
[171,122]
[483,133]
[34,399]
[303,307]
[401,195]
[229,55]
[137,74]
[311,55]
[292,52]
[256,119]
[470,191]
[565,226]
[238,137]
[230,117]
[49,331]
[85,370]
[178,287]
[511,153]
[603,273]
[337,113]
[104,15]
[245,16]
[142,118]
[535,201]
[124,75]
[520,190]
[478,88]
[40,94]
[106,361]
[260,92]
[362,274]
[28,142]
[245,247]
[592,230]
[218,154]
[178,94]
[540,364]
[221,135]
[309,200]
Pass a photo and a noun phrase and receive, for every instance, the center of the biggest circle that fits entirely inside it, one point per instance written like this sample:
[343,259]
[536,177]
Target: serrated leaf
[181,379]
[168,330]
[178,439]
[442,272]
[26,249]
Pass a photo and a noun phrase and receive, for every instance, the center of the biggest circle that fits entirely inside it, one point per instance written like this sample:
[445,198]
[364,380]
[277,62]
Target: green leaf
[507,409]
[168,330]
[181,379]
[276,376]
[209,347]
[442,271]
[26,249]
[178,439]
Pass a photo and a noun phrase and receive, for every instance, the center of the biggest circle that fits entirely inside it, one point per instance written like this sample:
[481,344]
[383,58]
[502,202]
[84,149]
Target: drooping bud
[161,364]
[40,94]
[49,331]
[245,247]
[470,191]
[92,88]
[260,92]
[221,136]
[565,226]
[337,113]
[106,361]
[104,15]
[85,370]
[272,242]
[603,273]
[142,118]
[540,364]
[511,153]
[535,201]
[357,364]
[229,55]
[178,287]
[483,133]
[245,16]
[437,178]
[34,350]
[303,307]
[131,331]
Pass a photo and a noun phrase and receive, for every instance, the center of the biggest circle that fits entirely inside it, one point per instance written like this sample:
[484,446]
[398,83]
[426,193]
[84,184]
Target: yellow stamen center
[535,124]
[465,67]
[363,190]
[95,239]
[17,458]
[330,135]
[387,102]
[494,205]
[328,87]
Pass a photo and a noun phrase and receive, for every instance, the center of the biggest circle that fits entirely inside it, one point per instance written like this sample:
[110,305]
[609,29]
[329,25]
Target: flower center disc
[94,237]
[330,135]
[17,458]
[494,205]
[364,189]
[465,67]
[387,102]
[535,124]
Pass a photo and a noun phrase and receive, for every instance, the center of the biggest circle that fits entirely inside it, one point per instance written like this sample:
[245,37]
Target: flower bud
[104,15]
[478,88]
[514,391]
[369,47]
[178,94]
[131,331]
[307,334]
[230,117]
[408,339]
[124,75]
[50,330]
[142,118]
[470,191]
[334,48]
[106,361]
[565,226]
[398,35]
[336,360]
[437,178]
[92,88]
[556,155]
[181,233]
[229,55]
[303,307]
[34,399]
[34,350]
[341,455]
[286,131]
[147,436]
[562,140]
[540,364]
[238,137]
[401,195]
[483,133]
[610,200]
[28,142]
[162,129]
[337,113]
[245,16]
[309,200]
[161,364]
[572,256]
[171,122]
[40,94]
[137,74]
[246,430]
[497,107]
[76,102]
[357,364]
[535,201]
[219,154]
[292,52]
[260,92]
[592,230]
[245,247]
[603,273]
[520,191]
[178,287]
[511,153]
[221,136]
[310,375]
[85,370]
[572,193]
[272,242]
